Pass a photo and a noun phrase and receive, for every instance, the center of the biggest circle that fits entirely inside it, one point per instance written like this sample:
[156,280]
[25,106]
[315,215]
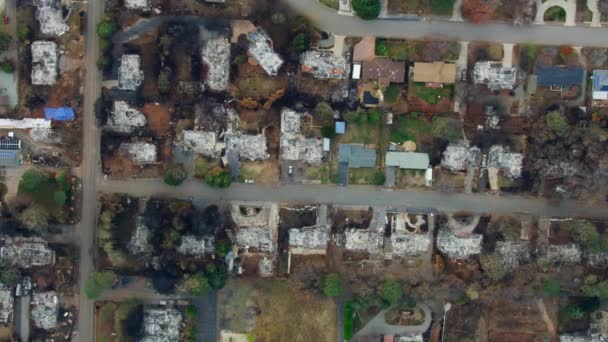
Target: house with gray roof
[408,160]
[558,78]
[353,156]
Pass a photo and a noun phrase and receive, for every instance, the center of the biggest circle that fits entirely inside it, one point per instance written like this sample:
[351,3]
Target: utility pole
[446,308]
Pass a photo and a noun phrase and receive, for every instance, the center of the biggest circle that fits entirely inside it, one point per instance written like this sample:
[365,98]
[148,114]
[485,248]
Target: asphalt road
[329,20]
[86,228]
[359,195]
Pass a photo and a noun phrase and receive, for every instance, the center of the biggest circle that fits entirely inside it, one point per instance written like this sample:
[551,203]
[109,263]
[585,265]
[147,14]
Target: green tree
[391,292]
[351,117]
[60,177]
[7,67]
[175,175]
[599,290]
[59,197]
[23,32]
[31,180]
[381,47]
[97,282]
[106,28]
[222,247]
[103,62]
[197,285]
[374,116]
[323,111]
[301,42]
[575,312]
[332,285]
[367,9]
[217,277]
[35,219]
[558,123]
[552,287]
[164,81]
[392,93]
[363,118]
[328,132]
[379,178]
[9,277]
[5,41]
[104,45]
[240,59]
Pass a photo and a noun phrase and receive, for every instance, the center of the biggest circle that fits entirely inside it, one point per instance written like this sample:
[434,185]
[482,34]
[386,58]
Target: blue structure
[369,99]
[340,127]
[59,114]
[559,77]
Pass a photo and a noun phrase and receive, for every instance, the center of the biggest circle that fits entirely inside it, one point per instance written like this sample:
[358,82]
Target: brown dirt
[232,9]
[252,81]
[159,118]
[309,85]
[513,321]
[261,171]
[417,105]
[149,61]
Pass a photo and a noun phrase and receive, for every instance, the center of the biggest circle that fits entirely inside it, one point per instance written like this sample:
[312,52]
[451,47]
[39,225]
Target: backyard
[49,191]
[410,127]
[430,95]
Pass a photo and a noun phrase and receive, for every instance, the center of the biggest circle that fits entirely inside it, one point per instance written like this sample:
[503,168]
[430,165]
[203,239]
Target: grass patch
[360,134]
[333,4]
[446,127]
[555,13]
[444,7]
[432,96]
[363,176]
[409,127]
[203,165]
[399,50]
[319,173]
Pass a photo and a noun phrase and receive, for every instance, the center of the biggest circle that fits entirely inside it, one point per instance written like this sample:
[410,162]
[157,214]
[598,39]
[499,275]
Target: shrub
[35,219]
[8,67]
[374,116]
[301,42]
[323,111]
[558,123]
[379,178]
[552,287]
[328,132]
[391,292]
[392,93]
[351,117]
[197,285]
[442,6]
[381,47]
[599,290]
[349,320]
[446,128]
[23,31]
[9,277]
[164,81]
[103,62]
[575,312]
[175,175]
[363,118]
[59,197]
[97,282]
[492,266]
[106,28]
[332,286]
[5,41]
[31,180]
[367,9]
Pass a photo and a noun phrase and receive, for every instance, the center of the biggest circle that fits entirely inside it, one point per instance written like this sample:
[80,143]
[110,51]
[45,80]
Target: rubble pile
[564,253]
[6,306]
[246,146]
[130,75]
[137,4]
[513,253]
[140,153]
[259,238]
[266,268]
[458,156]
[458,247]
[216,56]
[365,240]
[26,252]
[511,163]
[260,49]
[410,244]
[204,143]
[126,119]
[191,245]
[162,325]
[558,168]
[294,146]
[324,65]
[140,240]
[599,259]
[309,238]
[44,62]
[51,20]
[494,75]
[45,310]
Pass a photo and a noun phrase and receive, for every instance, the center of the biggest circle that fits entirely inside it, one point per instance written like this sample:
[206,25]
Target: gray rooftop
[556,76]
[408,160]
[356,156]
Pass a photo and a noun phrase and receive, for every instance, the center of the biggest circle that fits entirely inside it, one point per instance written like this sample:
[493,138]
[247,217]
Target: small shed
[59,114]
[326,144]
[356,71]
[340,127]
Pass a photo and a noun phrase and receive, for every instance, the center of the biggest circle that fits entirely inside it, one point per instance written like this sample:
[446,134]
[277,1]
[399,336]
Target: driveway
[568,5]
[378,325]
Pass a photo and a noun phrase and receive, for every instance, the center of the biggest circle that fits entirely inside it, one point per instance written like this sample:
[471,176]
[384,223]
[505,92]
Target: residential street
[86,229]
[358,195]
[329,20]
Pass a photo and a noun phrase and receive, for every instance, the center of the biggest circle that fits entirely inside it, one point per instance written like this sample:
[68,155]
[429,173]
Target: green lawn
[444,7]
[43,192]
[362,176]
[409,127]
[432,96]
[359,134]
[330,3]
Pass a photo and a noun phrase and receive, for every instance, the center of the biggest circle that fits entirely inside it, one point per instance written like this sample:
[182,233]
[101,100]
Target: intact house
[416,161]
[435,74]
[44,62]
[262,53]
[130,74]
[494,75]
[216,58]
[600,88]
[294,145]
[568,81]
[376,75]
[353,156]
[324,65]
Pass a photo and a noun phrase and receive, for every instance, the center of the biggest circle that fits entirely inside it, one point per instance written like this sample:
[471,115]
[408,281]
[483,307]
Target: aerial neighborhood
[304,170]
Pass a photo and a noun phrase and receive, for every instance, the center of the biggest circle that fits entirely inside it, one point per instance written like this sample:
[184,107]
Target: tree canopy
[35,218]
[5,41]
[31,179]
[332,285]
[391,291]
[106,28]
[367,9]
[97,282]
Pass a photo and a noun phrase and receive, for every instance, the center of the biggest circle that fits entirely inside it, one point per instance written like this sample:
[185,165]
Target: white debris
[51,21]
[266,267]
[140,240]
[25,252]
[494,75]
[130,75]
[306,240]
[140,153]
[137,4]
[162,325]
[324,65]
[410,244]
[44,62]
[204,143]
[511,163]
[216,56]
[45,309]
[191,245]
[294,146]
[6,306]
[458,247]
[513,253]
[259,238]
[458,156]
[564,253]
[368,240]
[598,259]
[260,49]
[126,119]
[25,123]
[249,147]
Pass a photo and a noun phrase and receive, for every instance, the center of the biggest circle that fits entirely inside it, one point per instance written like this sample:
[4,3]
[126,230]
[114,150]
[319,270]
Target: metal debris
[324,65]
[564,253]
[494,75]
[294,146]
[202,142]
[139,243]
[458,247]
[51,20]
[125,119]
[137,4]
[162,325]
[260,49]
[130,75]
[45,309]
[6,306]
[511,163]
[216,56]
[458,156]
[25,252]
[198,247]
[140,153]
[245,146]
[44,62]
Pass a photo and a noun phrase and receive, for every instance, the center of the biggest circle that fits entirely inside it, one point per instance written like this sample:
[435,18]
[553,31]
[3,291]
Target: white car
[290,170]
[249,181]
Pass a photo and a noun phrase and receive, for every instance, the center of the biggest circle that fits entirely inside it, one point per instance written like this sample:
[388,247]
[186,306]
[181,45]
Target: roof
[370,99]
[408,160]
[383,69]
[340,127]
[557,76]
[24,123]
[356,71]
[59,114]
[9,143]
[600,84]
[324,65]
[494,75]
[356,156]
[9,158]
[435,72]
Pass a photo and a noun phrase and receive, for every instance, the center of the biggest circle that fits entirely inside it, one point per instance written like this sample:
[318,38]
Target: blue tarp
[59,114]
